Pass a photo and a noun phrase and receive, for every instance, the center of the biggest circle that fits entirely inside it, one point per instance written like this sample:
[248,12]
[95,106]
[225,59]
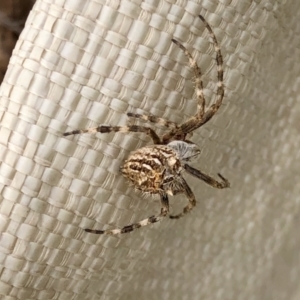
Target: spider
[158,168]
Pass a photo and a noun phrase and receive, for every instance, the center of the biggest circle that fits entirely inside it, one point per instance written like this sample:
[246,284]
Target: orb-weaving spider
[158,168]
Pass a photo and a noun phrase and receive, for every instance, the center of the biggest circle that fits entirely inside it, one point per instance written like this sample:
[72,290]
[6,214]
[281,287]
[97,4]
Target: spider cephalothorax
[158,168]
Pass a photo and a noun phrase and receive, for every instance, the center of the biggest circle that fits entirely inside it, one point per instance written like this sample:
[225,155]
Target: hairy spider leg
[206,178]
[153,219]
[209,113]
[153,119]
[198,79]
[191,197]
[106,129]
[202,116]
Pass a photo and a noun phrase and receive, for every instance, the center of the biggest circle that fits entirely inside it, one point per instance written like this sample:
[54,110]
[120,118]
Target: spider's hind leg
[153,219]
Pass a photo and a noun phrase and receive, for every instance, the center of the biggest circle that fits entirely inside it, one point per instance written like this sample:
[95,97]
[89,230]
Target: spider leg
[179,131]
[202,116]
[191,126]
[145,222]
[106,129]
[206,178]
[191,197]
[220,74]
[153,119]
[198,79]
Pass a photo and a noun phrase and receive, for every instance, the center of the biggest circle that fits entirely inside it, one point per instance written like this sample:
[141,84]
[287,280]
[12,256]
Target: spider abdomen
[149,168]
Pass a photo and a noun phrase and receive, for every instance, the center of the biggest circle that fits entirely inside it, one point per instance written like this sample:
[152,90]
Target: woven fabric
[80,63]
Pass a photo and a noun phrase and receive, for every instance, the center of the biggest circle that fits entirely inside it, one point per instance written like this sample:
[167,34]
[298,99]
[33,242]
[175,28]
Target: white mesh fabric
[82,63]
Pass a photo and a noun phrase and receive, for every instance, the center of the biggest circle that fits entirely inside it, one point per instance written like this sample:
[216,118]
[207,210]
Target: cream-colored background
[82,63]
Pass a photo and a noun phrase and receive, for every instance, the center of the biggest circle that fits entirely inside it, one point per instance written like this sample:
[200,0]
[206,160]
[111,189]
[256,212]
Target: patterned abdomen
[150,167]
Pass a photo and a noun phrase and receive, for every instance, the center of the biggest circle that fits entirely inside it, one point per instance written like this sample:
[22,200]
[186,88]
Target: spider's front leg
[153,219]
[106,129]
[153,119]
[206,178]
[197,78]
[203,114]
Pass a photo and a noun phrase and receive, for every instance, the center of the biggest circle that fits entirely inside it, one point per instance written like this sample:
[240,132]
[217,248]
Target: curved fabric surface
[82,63]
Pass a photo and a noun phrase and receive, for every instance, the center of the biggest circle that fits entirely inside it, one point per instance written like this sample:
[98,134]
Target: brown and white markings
[158,168]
